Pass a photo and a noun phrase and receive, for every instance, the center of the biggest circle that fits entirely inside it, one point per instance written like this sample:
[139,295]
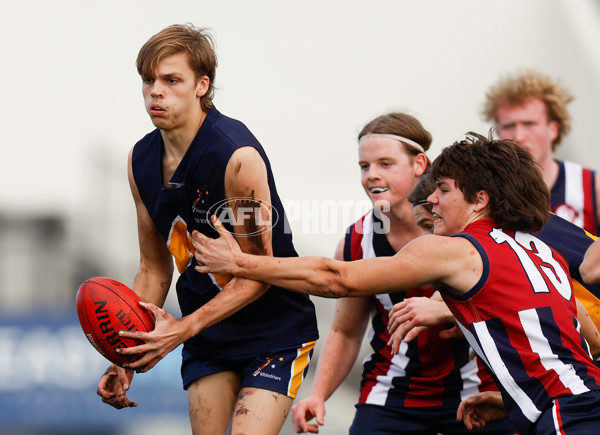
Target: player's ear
[482,199]
[202,86]
[420,163]
[553,129]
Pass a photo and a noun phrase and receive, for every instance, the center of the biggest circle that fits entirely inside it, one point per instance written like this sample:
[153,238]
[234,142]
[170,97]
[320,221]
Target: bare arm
[154,275]
[590,266]
[588,330]
[151,283]
[245,177]
[336,358]
[456,266]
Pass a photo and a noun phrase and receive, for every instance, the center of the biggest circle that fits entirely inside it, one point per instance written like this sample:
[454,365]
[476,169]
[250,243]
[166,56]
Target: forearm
[238,293]
[311,275]
[152,285]
[335,362]
[322,276]
[444,313]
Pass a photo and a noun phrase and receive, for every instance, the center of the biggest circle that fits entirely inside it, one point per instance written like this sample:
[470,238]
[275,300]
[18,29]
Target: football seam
[132,307]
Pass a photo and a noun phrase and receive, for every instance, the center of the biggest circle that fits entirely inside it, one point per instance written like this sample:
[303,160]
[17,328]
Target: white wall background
[304,76]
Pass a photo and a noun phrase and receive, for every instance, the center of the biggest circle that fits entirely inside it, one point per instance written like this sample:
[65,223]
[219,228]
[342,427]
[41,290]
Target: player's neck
[402,228]
[178,140]
[549,172]
[176,143]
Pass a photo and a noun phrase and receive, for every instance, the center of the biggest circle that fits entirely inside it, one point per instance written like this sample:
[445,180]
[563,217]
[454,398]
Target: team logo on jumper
[251,217]
[200,198]
[566,212]
[201,216]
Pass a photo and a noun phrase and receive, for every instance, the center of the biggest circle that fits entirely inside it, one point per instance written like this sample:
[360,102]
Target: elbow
[334,290]
[331,283]
[589,274]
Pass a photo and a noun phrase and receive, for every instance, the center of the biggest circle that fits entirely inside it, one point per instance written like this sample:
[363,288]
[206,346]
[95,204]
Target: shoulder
[560,227]
[245,160]
[234,131]
[574,166]
[246,174]
[148,139]
[248,153]
[452,261]
[146,147]
[149,145]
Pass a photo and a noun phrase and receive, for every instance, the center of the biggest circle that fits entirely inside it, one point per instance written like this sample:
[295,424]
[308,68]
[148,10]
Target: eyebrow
[169,75]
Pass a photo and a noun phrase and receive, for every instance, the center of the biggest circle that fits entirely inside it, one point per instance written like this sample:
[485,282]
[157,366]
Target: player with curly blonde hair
[531,108]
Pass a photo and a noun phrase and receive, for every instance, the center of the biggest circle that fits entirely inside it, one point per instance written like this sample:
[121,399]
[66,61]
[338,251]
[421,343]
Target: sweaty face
[528,125]
[451,212]
[172,96]
[387,172]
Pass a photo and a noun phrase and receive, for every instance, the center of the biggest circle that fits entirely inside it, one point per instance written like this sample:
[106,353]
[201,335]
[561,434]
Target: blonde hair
[516,89]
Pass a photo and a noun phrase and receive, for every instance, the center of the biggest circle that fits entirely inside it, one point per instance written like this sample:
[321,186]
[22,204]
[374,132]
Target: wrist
[445,313]
[192,325]
[238,265]
[449,318]
[319,395]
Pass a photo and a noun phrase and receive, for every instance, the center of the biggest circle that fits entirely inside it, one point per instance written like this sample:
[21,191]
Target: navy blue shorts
[381,420]
[572,415]
[281,370]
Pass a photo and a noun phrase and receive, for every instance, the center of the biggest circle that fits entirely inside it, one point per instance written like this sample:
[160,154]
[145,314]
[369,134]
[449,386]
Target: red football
[105,307]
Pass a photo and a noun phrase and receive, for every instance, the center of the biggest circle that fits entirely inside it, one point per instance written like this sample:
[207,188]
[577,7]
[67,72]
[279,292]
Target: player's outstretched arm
[330,278]
[312,275]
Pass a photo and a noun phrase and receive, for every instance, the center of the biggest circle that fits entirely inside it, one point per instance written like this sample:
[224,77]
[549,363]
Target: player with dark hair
[411,316]
[576,245]
[509,292]
[246,347]
[417,386]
